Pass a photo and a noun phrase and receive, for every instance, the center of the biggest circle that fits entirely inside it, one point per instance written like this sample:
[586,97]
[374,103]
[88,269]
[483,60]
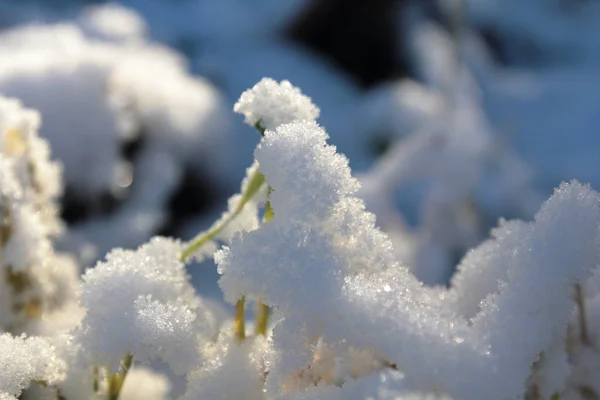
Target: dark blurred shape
[130,148]
[359,36]
[572,5]
[380,143]
[195,195]
[512,49]
[76,208]
[495,45]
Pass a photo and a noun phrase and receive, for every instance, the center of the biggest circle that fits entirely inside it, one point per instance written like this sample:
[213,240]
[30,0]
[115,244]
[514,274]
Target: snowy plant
[442,141]
[270,104]
[24,361]
[339,316]
[35,281]
[112,101]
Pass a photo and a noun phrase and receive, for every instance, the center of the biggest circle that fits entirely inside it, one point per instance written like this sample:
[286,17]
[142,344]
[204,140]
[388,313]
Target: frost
[140,302]
[235,370]
[305,194]
[39,178]
[24,237]
[561,246]
[168,332]
[309,176]
[271,104]
[483,267]
[34,280]
[23,360]
[322,252]
[341,317]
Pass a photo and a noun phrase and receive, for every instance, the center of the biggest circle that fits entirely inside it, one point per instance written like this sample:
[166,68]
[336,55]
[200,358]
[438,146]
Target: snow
[23,360]
[387,281]
[270,104]
[158,307]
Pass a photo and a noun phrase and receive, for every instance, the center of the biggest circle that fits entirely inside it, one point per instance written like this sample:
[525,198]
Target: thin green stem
[256,181]
[114,386]
[262,315]
[116,380]
[260,128]
[95,373]
[262,319]
[239,321]
[269,213]
[126,364]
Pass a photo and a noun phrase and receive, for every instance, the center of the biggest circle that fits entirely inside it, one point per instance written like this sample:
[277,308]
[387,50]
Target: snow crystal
[483,267]
[307,175]
[168,331]
[31,271]
[121,318]
[271,104]
[322,252]
[235,370]
[39,177]
[23,360]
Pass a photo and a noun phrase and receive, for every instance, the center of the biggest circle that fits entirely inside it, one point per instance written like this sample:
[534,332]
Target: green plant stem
[239,321]
[269,212]
[95,372]
[256,181]
[114,386]
[259,128]
[126,364]
[262,319]
[262,316]
[116,380]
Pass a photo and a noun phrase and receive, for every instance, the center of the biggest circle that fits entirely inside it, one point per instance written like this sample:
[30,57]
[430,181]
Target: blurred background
[453,113]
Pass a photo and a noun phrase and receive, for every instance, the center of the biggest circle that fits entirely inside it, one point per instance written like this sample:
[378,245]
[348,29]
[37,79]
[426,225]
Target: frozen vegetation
[385,262]
[340,316]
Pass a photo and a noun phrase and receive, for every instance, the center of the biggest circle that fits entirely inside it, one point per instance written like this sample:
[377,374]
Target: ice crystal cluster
[340,316]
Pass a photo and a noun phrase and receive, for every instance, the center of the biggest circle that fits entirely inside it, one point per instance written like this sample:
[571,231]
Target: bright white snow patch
[271,104]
